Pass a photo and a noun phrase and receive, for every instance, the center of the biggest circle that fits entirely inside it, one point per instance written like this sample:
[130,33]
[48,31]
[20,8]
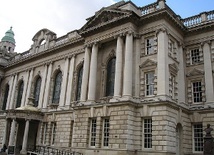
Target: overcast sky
[27,17]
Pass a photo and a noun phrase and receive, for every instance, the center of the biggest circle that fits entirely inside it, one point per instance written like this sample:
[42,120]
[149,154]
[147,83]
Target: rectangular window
[197,91]
[106,132]
[149,81]
[172,86]
[198,137]
[45,132]
[93,132]
[147,133]
[71,133]
[150,46]
[195,56]
[53,132]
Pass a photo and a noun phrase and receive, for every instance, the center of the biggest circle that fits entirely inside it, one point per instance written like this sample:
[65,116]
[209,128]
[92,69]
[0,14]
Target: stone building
[133,80]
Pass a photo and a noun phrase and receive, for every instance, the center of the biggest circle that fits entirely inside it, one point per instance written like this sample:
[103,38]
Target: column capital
[118,35]
[205,42]
[162,29]
[137,35]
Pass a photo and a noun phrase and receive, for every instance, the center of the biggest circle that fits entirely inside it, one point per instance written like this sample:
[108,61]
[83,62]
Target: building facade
[133,80]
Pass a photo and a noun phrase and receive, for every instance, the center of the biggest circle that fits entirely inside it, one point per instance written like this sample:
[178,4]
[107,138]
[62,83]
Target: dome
[9,36]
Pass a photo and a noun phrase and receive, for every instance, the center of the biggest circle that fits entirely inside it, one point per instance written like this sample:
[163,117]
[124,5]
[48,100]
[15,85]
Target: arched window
[79,83]
[57,88]
[37,91]
[20,92]
[5,97]
[110,77]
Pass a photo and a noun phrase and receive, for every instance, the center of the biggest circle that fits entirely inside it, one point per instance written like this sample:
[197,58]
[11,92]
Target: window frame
[201,139]
[110,76]
[79,83]
[35,93]
[148,84]
[195,55]
[198,92]
[44,133]
[149,145]
[6,95]
[20,94]
[150,45]
[53,133]
[56,97]
[105,131]
[93,131]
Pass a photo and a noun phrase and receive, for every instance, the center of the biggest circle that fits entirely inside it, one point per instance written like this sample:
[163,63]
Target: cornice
[47,61]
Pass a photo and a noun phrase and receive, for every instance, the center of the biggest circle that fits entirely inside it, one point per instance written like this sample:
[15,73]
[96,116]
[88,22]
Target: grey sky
[27,17]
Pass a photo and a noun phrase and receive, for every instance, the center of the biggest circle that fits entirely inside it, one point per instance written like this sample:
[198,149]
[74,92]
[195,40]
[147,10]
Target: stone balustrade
[198,19]
[149,8]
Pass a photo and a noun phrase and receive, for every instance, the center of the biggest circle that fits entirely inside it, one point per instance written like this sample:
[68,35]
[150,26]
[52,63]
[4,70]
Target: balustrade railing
[47,150]
[198,19]
[149,8]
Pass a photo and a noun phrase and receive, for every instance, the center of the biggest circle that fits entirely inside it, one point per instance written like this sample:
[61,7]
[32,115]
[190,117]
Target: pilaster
[70,83]
[93,73]
[127,82]
[64,82]
[163,68]
[85,77]
[208,72]
[44,77]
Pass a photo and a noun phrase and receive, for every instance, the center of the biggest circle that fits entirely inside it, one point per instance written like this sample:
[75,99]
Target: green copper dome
[9,36]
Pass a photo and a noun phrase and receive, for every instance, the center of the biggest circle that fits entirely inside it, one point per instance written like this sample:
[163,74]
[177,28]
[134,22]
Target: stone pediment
[148,63]
[195,72]
[104,17]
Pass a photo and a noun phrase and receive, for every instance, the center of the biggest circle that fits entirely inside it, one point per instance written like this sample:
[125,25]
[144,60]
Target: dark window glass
[37,91]
[20,92]
[110,77]
[5,97]
[57,88]
[79,83]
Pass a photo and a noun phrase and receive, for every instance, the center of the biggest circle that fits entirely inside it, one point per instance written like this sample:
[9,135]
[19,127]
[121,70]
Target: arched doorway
[179,139]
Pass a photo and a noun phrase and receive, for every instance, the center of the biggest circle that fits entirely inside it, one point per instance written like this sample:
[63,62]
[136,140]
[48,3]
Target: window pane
[147,133]
[20,92]
[198,137]
[79,83]
[57,88]
[197,91]
[149,81]
[5,97]
[93,132]
[110,77]
[37,91]
[106,132]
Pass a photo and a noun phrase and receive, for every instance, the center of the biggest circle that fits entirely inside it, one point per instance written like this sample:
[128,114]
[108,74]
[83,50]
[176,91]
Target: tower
[8,41]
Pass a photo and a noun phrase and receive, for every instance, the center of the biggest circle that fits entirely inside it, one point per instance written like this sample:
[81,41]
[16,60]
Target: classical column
[127,82]
[43,84]
[64,82]
[70,81]
[5,132]
[137,64]
[118,67]
[93,73]
[163,68]
[12,133]
[208,73]
[25,88]
[13,92]
[47,88]
[10,92]
[29,87]
[25,138]
[85,77]
[181,76]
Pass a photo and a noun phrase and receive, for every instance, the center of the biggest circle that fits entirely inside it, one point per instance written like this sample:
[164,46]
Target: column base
[23,152]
